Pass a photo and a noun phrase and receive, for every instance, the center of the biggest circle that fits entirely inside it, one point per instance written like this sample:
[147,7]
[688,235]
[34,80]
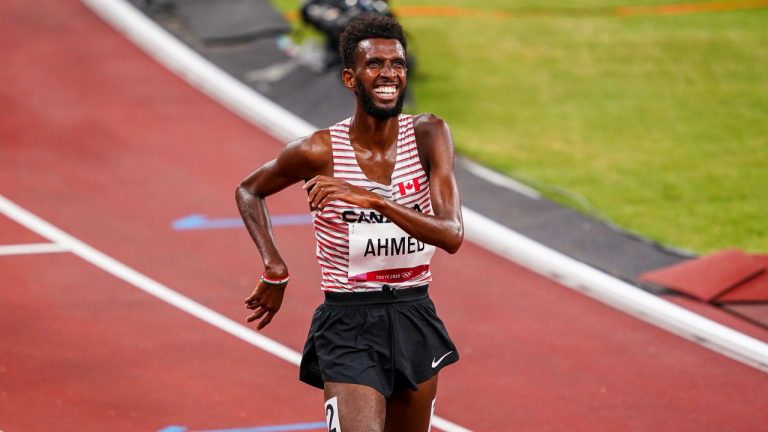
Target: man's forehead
[380,46]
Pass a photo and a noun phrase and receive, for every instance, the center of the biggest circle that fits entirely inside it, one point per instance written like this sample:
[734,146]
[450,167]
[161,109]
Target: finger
[254,298]
[254,305]
[263,323]
[257,300]
[255,295]
[318,187]
[312,193]
[322,194]
[256,315]
[312,196]
[313,188]
[311,183]
[328,198]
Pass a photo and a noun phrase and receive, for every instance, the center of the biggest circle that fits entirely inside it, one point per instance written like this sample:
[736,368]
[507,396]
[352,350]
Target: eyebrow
[381,59]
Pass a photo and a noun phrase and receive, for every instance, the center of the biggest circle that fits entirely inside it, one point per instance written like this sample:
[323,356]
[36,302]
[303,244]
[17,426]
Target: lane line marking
[162,292]
[201,222]
[31,248]
[273,428]
[144,283]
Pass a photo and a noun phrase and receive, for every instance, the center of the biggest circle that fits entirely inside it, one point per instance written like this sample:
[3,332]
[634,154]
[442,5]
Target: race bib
[383,252]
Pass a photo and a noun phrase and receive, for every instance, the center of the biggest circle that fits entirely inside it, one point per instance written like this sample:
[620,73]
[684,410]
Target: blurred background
[648,114]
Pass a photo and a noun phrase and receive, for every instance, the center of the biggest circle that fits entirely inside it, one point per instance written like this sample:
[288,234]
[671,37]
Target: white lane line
[162,292]
[146,284]
[31,248]
[495,237]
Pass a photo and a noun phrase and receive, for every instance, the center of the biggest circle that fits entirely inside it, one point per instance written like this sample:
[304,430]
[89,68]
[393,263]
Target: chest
[376,164]
[377,167]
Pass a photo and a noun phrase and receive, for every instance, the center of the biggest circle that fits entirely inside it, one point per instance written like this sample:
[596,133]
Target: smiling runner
[383,196]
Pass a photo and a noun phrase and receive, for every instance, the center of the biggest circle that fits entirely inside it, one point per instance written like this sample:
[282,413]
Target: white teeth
[386,90]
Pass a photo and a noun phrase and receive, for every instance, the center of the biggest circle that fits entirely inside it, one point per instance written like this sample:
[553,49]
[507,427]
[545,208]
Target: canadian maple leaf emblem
[409,186]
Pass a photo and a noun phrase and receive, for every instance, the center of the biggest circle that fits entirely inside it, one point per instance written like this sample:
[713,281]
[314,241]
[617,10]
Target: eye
[398,64]
[375,64]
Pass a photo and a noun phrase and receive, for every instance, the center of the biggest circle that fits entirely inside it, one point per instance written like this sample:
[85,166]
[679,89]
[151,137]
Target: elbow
[240,193]
[454,246]
[243,196]
[454,241]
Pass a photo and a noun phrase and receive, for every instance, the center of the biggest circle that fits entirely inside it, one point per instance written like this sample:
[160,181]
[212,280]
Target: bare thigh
[408,410]
[360,408]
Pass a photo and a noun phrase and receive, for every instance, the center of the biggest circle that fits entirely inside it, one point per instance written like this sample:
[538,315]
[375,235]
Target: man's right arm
[300,160]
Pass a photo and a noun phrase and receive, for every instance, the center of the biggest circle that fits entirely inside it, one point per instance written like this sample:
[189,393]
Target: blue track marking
[275,428]
[200,222]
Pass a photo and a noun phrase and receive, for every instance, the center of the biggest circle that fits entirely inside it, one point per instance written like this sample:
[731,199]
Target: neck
[373,131]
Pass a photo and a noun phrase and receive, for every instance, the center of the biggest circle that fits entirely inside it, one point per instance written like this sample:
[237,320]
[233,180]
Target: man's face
[380,77]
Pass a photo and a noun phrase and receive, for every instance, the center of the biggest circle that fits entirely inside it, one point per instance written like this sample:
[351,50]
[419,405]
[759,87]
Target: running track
[105,144]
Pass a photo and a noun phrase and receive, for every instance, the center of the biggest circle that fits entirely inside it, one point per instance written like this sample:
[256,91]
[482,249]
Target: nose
[388,69]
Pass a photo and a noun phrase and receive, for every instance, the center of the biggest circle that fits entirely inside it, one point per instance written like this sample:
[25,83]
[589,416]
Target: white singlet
[359,249]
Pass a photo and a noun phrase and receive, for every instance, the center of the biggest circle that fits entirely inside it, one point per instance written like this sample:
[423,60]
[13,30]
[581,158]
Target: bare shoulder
[313,147]
[433,139]
[428,124]
[310,155]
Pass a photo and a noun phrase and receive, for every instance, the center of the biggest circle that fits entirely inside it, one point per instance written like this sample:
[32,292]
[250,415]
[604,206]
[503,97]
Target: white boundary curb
[198,71]
[487,233]
[613,291]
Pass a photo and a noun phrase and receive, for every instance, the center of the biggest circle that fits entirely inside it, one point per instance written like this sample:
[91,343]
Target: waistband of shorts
[386,295]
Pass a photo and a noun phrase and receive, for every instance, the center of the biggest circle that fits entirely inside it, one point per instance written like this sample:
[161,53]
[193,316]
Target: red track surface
[104,143]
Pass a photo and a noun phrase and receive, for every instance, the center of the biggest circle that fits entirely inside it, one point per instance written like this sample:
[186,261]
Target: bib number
[332,415]
[383,252]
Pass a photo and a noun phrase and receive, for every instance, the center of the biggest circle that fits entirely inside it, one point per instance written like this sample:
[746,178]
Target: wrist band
[282,281]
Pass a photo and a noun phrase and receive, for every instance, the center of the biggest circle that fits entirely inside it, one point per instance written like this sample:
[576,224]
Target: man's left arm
[446,228]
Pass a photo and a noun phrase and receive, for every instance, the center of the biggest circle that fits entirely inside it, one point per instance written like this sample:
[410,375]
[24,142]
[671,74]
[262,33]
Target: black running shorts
[385,339]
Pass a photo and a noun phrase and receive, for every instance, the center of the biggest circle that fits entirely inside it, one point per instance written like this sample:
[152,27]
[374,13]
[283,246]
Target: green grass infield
[656,114]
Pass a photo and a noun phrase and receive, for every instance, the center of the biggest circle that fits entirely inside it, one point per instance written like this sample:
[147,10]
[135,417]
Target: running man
[382,193]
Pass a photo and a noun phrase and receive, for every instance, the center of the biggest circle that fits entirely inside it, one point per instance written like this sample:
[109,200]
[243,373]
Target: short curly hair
[367,26]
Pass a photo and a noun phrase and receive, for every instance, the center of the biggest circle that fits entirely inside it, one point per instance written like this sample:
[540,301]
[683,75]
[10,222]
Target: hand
[324,189]
[265,302]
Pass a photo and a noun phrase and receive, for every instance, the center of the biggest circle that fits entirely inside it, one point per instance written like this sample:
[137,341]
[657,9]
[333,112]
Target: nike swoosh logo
[435,363]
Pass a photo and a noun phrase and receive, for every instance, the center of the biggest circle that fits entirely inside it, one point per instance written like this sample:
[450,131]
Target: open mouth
[386,91]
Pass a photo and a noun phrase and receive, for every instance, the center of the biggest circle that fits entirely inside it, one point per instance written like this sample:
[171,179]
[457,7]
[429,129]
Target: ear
[348,77]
